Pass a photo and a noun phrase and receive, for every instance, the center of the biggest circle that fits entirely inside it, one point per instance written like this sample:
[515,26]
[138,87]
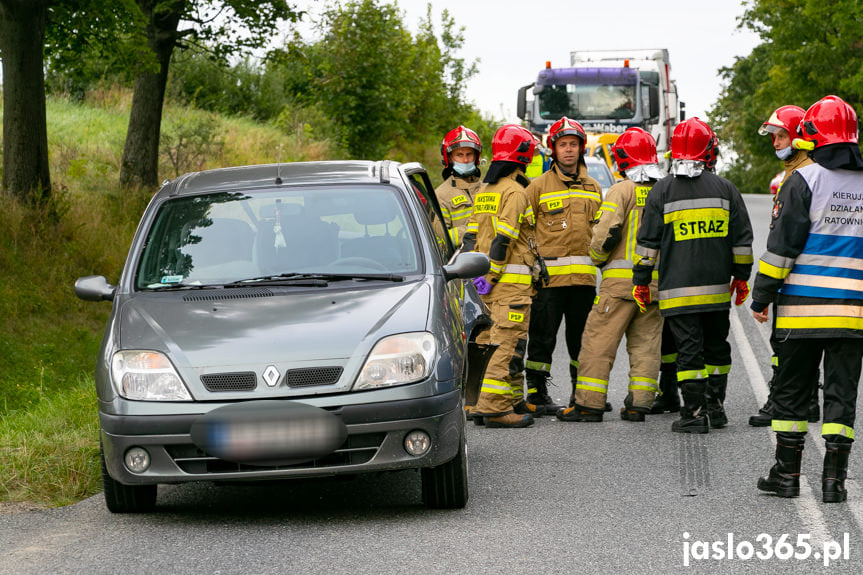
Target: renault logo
[271,375]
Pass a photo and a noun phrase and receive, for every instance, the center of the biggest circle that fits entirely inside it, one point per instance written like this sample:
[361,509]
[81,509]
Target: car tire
[120,498]
[446,486]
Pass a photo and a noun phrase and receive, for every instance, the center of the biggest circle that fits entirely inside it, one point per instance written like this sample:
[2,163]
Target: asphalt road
[610,497]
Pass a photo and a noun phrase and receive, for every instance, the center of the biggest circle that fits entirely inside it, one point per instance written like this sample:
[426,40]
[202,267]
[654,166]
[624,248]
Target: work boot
[715,396]
[509,420]
[835,472]
[578,413]
[525,407]
[765,414]
[630,413]
[667,401]
[814,407]
[538,380]
[693,414]
[784,476]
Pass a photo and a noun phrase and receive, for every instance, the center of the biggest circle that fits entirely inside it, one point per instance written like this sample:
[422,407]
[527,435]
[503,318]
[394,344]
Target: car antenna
[279,165]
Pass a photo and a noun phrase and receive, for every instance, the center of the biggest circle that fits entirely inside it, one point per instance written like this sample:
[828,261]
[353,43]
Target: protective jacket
[702,230]
[797,160]
[502,227]
[613,245]
[814,257]
[565,207]
[455,196]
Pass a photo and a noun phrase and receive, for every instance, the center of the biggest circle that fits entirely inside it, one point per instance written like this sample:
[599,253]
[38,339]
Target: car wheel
[121,498]
[445,486]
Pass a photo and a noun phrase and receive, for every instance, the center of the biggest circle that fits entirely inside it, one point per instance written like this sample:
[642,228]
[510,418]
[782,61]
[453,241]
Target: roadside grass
[50,454]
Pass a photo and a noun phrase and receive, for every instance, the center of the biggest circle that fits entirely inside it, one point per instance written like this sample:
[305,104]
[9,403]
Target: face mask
[784,153]
[461,168]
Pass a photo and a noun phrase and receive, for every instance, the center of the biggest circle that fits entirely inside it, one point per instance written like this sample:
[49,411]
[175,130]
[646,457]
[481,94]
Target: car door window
[423,189]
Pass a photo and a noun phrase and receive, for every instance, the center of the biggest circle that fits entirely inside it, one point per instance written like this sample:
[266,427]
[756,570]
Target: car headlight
[147,376]
[397,360]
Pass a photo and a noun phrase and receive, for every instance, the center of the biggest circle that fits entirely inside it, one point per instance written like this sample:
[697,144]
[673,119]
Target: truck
[606,91]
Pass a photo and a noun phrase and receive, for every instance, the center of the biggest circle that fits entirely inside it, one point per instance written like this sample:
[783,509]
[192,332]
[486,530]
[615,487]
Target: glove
[742,289]
[642,297]
[483,287]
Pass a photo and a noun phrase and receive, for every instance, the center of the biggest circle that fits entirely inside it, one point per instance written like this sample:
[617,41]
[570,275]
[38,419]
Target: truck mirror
[521,105]
[682,111]
[654,102]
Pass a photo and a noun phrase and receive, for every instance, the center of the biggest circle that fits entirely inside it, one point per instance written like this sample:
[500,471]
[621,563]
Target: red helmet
[786,118]
[460,137]
[829,121]
[634,147]
[692,140]
[565,127]
[512,143]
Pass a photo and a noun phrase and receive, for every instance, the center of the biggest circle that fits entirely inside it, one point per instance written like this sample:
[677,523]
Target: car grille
[227,294]
[356,450]
[243,381]
[313,376]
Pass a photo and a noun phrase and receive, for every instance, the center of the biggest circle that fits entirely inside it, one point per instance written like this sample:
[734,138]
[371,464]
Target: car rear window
[231,236]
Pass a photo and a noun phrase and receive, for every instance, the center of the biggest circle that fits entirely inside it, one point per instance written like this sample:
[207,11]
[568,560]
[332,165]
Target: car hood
[202,330]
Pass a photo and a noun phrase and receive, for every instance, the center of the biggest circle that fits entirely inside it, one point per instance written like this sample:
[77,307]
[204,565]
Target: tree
[26,172]
[225,27]
[809,49]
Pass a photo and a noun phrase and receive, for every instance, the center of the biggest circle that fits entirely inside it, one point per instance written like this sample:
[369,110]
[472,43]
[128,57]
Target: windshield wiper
[178,287]
[307,278]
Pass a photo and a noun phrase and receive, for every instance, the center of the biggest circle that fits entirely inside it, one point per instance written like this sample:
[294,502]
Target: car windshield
[228,237]
[597,170]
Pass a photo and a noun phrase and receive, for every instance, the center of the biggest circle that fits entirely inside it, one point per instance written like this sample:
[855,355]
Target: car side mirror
[467,265]
[94,288]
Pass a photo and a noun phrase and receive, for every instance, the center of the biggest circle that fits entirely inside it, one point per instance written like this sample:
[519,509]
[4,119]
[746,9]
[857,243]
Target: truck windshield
[588,101]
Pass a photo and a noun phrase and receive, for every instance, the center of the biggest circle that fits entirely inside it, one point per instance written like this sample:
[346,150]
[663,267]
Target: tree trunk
[26,173]
[140,164]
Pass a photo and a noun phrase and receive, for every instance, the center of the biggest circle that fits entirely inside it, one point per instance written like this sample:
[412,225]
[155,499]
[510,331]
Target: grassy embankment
[49,338]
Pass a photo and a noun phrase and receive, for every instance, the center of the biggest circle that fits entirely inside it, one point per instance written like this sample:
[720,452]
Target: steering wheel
[361,262]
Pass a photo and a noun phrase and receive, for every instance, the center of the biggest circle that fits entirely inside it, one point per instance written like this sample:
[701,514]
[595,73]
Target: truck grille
[356,450]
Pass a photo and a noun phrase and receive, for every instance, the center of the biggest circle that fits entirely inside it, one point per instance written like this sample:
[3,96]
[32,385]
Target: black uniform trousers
[701,339]
[550,306]
[799,360]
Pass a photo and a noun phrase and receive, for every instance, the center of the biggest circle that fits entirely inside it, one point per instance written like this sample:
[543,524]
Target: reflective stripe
[598,256]
[819,316]
[473,227]
[837,429]
[505,229]
[538,366]
[742,255]
[570,265]
[777,261]
[831,282]
[669,357]
[785,425]
[772,271]
[610,207]
[695,291]
[592,384]
[621,269]
[496,387]
[461,214]
[691,374]
[631,235]
[573,363]
[829,261]
[585,194]
[495,268]
[516,274]
[717,369]
[445,212]
[694,300]
[701,203]
[643,384]
[695,295]
[453,236]
[774,361]
[645,252]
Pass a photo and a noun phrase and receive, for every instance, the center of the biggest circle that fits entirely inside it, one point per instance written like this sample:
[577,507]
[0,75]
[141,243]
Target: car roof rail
[385,171]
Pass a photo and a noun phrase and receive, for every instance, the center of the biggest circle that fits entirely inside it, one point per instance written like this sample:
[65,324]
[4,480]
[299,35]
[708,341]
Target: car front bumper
[375,442]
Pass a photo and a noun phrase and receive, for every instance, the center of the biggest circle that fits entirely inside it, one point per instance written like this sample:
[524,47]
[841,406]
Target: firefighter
[812,271]
[698,226]
[782,126]
[615,313]
[565,200]
[460,152]
[540,162]
[502,227]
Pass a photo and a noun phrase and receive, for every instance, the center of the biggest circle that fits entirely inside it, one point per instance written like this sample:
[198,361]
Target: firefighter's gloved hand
[483,287]
[742,289]
[642,297]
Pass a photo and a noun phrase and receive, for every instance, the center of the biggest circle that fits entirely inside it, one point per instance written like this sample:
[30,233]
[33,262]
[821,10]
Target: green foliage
[809,49]
[189,140]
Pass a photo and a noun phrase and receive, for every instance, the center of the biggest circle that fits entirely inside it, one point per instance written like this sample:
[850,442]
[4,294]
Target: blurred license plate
[269,432]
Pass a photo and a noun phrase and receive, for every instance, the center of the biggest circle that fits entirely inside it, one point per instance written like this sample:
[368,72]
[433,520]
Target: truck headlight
[147,376]
[397,360]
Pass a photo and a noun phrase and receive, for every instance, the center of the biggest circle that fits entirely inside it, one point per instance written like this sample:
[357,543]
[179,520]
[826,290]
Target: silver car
[292,320]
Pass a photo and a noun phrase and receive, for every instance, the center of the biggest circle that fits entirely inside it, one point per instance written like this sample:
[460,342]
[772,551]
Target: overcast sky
[513,40]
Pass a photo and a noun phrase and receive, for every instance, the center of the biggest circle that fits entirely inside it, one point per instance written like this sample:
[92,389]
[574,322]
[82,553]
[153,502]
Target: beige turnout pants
[610,319]
[503,383]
